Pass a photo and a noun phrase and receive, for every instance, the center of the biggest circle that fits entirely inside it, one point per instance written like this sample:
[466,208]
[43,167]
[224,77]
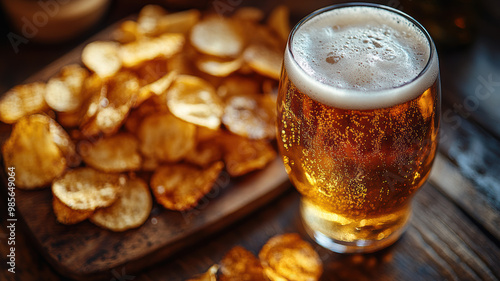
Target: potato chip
[217,36]
[251,14]
[112,107]
[147,20]
[102,57]
[154,104]
[180,22]
[241,265]
[181,63]
[210,275]
[279,21]
[251,116]
[127,32]
[32,151]
[237,85]
[157,87]
[194,100]
[180,186]
[65,144]
[204,154]
[21,101]
[86,189]
[64,91]
[218,67]
[69,119]
[288,257]
[243,155]
[131,209]
[165,137]
[115,154]
[151,70]
[264,60]
[164,46]
[66,215]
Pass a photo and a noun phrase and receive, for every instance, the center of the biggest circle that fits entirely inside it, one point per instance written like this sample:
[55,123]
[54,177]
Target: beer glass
[358,119]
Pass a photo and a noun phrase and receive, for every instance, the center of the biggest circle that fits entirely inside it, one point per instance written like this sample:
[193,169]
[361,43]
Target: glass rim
[413,21]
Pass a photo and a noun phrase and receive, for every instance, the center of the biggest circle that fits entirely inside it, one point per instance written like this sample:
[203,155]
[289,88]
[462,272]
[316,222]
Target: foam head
[361,57]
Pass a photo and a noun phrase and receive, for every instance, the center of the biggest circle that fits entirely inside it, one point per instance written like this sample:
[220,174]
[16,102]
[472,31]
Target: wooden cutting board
[87,252]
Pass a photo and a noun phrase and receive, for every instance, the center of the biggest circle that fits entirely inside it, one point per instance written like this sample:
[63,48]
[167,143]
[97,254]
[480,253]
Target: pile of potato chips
[284,257]
[173,100]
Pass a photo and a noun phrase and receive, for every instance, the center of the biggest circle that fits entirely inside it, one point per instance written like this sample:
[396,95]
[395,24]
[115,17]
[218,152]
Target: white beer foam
[360,58]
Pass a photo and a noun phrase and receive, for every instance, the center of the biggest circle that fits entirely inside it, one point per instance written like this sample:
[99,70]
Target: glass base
[388,230]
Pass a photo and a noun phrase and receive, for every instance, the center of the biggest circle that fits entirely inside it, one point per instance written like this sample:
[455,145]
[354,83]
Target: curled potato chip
[114,154]
[243,155]
[164,46]
[204,154]
[237,85]
[65,144]
[131,209]
[127,32]
[217,36]
[102,57]
[66,215]
[157,87]
[33,152]
[21,101]
[251,116]
[218,67]
[165,137]
[194,100]
[288,257]
[264,60]
[251,14]
[111,105]
[210,275]
[241,265]
[87,189]
[180,186]
[279,21]
[64,91]
[148,18]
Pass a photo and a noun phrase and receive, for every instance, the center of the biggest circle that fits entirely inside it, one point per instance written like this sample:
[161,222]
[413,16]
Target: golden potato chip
[65,144]
[210,275]
[21,101]
[114,154]
[64,91]
[217,36]
[154,104]
[194,100]
[66,215]
[158,87]
[32,151]
[151,70]
[251,14]
[204,154]
[241,265]
[86,189]
[165,137]
[131,209]
[251,116]
[279,21]
[111,108]
[264,60]
[127,32]
[180,22]
[288,257]
[218,67]
[164,46]
[102,57]
[180,186]
[237,85]
[243,155]
[147,20]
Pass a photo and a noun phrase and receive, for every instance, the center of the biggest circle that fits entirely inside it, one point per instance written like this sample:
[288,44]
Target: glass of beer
[358,118]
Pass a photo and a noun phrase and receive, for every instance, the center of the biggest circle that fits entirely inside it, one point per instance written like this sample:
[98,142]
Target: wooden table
[454,233]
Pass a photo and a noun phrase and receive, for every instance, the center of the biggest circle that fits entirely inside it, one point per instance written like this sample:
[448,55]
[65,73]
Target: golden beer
[358,141]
